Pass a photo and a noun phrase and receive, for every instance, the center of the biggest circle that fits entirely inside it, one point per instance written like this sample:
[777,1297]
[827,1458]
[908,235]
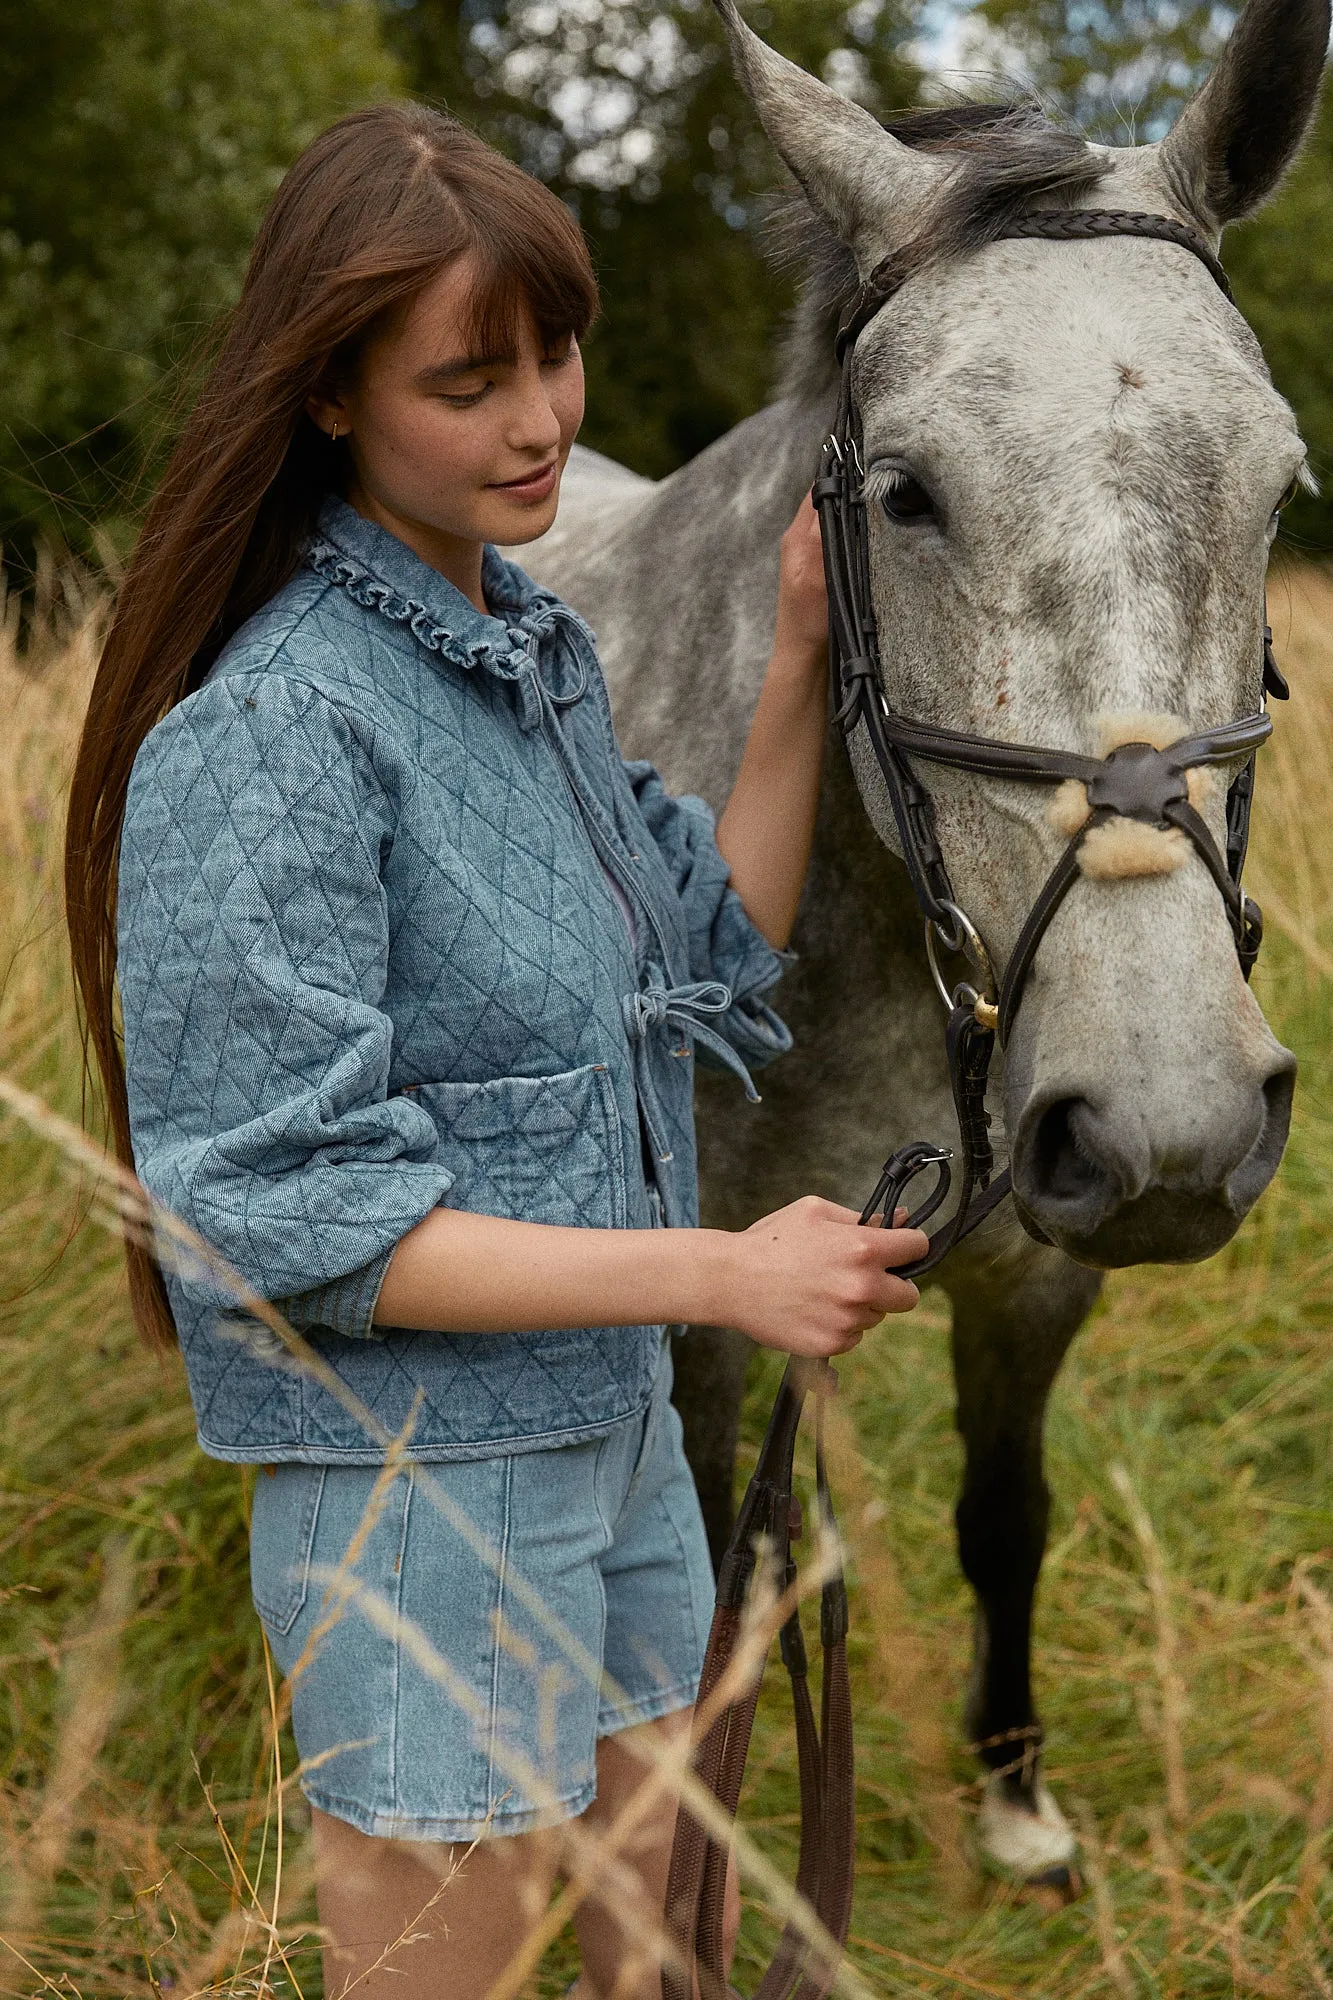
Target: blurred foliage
[1121,70]
[143,140]
[629,109]
[1118,69]
[146,136]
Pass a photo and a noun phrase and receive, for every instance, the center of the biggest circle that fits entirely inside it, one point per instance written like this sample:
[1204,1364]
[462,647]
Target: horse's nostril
[1058,1168]
[1067,1176]
[1249,1179]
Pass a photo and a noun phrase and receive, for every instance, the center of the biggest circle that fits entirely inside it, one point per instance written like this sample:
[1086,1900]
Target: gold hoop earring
[333,434]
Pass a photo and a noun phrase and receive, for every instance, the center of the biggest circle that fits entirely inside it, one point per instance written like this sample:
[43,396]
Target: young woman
[413,971]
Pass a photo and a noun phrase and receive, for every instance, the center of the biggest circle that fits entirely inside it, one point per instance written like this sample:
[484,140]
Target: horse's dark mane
[1008,156]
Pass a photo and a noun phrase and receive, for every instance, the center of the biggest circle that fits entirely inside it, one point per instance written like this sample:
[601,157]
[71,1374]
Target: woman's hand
[802,628]
[811,1282]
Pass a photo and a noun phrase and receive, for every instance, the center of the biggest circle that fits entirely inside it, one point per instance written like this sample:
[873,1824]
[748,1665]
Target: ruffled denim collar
[530,633]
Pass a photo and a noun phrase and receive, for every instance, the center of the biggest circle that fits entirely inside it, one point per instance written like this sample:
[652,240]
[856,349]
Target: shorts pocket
[533,1148]
[282,1537]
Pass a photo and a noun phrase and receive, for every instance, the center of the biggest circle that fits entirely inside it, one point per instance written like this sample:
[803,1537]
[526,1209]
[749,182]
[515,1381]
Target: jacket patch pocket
[283,1516]
[533,1148]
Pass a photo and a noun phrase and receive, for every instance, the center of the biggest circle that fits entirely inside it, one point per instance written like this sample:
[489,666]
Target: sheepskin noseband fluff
[1123,848]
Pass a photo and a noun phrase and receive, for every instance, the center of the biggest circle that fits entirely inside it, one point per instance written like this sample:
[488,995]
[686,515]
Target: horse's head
[1075,459]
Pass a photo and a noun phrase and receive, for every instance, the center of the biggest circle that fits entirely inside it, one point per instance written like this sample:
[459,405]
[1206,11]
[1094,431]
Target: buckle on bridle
[899,1172]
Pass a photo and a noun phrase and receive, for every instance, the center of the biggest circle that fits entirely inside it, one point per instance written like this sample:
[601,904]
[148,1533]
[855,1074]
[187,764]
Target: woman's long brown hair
[378,205]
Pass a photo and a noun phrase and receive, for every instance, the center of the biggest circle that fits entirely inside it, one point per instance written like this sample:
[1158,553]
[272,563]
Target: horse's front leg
[1007,1347]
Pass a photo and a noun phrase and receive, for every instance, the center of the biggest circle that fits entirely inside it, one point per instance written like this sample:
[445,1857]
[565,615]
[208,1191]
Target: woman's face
[450,448]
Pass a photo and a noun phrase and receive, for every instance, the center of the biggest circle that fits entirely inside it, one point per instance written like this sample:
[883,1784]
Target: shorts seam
[607,1527]
[395,1826]
[397,1648]
[652,1426]
[608,1537]
[700,1638]
[497,1645]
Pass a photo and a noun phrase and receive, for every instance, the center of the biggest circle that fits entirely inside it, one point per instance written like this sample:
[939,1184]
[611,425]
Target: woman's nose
[535,425]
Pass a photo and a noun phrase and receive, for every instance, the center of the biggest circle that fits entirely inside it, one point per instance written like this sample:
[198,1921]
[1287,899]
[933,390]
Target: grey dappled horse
[1080,456]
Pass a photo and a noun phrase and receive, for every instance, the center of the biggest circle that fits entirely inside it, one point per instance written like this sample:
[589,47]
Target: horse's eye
[1289,495]
[907,500]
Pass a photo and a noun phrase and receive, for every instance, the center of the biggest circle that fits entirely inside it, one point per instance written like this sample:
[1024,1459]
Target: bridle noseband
[1134,782]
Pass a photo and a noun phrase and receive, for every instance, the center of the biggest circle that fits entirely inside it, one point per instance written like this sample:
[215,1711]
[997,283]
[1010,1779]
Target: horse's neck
[680,582]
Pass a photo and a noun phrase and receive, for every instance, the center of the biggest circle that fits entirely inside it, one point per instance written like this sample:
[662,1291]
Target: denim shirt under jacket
[398,928]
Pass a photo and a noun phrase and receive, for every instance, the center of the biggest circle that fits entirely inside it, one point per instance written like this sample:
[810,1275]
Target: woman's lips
[533,486]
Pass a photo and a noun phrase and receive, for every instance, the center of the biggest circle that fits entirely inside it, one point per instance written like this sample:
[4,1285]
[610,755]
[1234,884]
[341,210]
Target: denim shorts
[431,1700]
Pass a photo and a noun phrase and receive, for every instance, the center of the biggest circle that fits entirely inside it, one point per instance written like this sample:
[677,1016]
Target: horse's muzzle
[1097,1181]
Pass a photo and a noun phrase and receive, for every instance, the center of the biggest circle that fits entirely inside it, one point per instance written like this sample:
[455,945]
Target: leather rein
[1136,782]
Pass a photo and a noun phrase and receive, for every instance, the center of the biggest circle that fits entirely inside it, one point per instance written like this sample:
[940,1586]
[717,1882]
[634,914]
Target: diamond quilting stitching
[347,872]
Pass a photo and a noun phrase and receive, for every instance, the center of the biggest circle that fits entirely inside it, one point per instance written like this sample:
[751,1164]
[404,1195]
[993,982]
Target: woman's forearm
[458,1272]
[806,1279]
[766,831]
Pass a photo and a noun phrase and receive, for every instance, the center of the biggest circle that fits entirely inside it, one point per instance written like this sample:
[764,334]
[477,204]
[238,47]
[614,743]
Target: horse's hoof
[1030,1842]
[1054,1891]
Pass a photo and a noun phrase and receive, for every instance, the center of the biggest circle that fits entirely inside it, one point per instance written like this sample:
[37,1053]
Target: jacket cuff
[755,1033]
[343,1305]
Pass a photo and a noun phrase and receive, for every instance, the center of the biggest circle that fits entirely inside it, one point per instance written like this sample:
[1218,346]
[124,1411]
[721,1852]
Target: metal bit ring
[966,940]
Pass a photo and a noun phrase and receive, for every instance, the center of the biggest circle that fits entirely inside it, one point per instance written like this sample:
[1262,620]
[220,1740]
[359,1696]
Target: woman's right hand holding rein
[812,1282]
[806,1279]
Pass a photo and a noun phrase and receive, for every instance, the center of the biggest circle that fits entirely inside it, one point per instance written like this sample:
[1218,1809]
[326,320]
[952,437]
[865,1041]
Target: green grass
[1191,1731]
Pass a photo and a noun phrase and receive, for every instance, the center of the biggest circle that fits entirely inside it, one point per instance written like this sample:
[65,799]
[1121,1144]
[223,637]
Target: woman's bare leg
[465,1911]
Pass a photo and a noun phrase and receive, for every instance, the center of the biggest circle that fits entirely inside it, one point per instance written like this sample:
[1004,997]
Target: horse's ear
[854,173]
[1232,145]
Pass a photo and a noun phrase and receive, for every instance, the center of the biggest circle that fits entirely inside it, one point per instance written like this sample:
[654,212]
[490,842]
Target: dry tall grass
[1185,1639]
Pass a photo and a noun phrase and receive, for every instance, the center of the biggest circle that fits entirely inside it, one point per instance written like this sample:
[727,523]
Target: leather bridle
[1136,782]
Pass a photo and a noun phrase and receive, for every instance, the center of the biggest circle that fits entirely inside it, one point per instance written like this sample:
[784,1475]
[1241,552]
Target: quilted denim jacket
[398,927]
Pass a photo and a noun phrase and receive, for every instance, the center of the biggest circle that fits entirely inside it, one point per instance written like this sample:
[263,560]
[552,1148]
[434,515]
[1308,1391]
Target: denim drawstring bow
[569,635]
[687,1009]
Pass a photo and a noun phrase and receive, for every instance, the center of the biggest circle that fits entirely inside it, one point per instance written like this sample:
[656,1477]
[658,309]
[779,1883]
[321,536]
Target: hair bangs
[531,259]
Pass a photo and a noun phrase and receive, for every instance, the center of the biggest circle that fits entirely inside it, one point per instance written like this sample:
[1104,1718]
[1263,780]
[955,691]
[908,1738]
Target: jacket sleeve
[724,944]
[253,954]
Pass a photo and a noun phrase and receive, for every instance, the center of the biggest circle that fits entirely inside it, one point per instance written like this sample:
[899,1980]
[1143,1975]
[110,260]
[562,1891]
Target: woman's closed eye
[476,387]
[467,398]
